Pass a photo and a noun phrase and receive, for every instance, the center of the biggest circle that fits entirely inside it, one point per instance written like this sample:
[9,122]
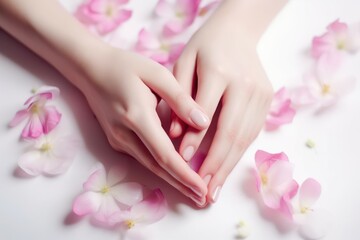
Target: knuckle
[118,143]
[132,116]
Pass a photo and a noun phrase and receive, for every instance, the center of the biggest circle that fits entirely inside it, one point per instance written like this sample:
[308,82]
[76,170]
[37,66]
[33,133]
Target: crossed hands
[217,69]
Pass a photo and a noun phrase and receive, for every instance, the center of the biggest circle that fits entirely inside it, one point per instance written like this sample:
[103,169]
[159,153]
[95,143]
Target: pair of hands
[224,67]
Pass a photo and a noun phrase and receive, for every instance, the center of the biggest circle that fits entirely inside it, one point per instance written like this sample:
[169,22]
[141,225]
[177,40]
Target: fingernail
[197,192]
[199,118]
[197,201]
[216,193]
[207,179]
[188,153]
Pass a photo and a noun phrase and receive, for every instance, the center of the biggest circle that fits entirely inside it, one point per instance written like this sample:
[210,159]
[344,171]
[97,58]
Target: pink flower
[104,196]
[280,112]
[338,38]
[181,15]
[159,50]
[273,177]
[51,155]
[149,210]
[105,15]
[325,85]
[41,118]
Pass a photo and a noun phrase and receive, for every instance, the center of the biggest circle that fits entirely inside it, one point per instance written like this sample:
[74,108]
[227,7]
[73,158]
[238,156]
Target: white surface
[38,208]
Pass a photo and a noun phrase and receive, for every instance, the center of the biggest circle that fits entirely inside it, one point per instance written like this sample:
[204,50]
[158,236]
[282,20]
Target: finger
[138,150]
[161,148]
[164,84]
[251,125]
[230,121]
[208,97]
[184,73]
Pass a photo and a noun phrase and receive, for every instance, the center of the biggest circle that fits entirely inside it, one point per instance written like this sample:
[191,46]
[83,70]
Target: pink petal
[322,44]
[87,203]
[310,192]
[96,181]
[127,193]
[32,163]
[44,93]
[174,27]
[33,129]
[151,209]
[337,27]
[146,40]
[110,25]
[116,175]
[163,9]
[19,117]
[280,175]
[301,96]
[208,7]
[285,203]
[265,160]
[52,118]
[344,86]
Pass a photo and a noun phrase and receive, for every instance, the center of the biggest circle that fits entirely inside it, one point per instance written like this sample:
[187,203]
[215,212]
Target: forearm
[48,30]
[250,17]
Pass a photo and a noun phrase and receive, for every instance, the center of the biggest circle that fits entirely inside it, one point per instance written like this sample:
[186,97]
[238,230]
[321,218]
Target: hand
[121,92]
[221,60]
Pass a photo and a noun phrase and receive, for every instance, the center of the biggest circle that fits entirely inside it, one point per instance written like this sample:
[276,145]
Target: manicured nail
[216,193]
[198,201]
[197,192]
[188,153]
[207,179]
[199,118]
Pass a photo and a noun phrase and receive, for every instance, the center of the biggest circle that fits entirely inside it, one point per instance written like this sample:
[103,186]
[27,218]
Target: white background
[39,208]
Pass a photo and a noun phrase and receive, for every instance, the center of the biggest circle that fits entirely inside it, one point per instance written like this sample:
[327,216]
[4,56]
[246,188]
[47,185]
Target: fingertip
[176,128]
[199,118]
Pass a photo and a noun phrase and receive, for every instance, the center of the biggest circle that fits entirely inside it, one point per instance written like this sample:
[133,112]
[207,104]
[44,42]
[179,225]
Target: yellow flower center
[264,179]
[165,47]
[109,11]
[341,45]
[105,189]
[130,223]
[35,109]
[46,147]
[304,210]
[179,14]
[325,89]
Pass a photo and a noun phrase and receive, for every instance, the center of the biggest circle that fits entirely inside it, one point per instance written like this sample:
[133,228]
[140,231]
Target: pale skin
[227,69]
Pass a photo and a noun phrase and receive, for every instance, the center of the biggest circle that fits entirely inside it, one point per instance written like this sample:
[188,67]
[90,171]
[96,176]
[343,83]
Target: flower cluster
[327,82]
[112,203]
[278,189]
[176,18]
[49,153]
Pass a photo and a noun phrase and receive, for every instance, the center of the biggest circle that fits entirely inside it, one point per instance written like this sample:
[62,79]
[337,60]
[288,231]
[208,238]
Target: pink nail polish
[197,201]
[199,118]
[215,194]
[188,153]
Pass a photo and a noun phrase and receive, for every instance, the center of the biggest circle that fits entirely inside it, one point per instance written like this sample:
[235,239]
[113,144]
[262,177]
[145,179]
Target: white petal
[96,181]
[107,208]
[32,162]
[316,225]
[128,193]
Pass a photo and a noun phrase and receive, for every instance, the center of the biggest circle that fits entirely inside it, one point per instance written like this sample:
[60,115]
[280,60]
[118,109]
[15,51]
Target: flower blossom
[41,118]
[180,15]
[324,85]
[159,50]
[51,155]
[274,178]
[280,112]
[151,209]
[338,38]
[104,15]
[104,195]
